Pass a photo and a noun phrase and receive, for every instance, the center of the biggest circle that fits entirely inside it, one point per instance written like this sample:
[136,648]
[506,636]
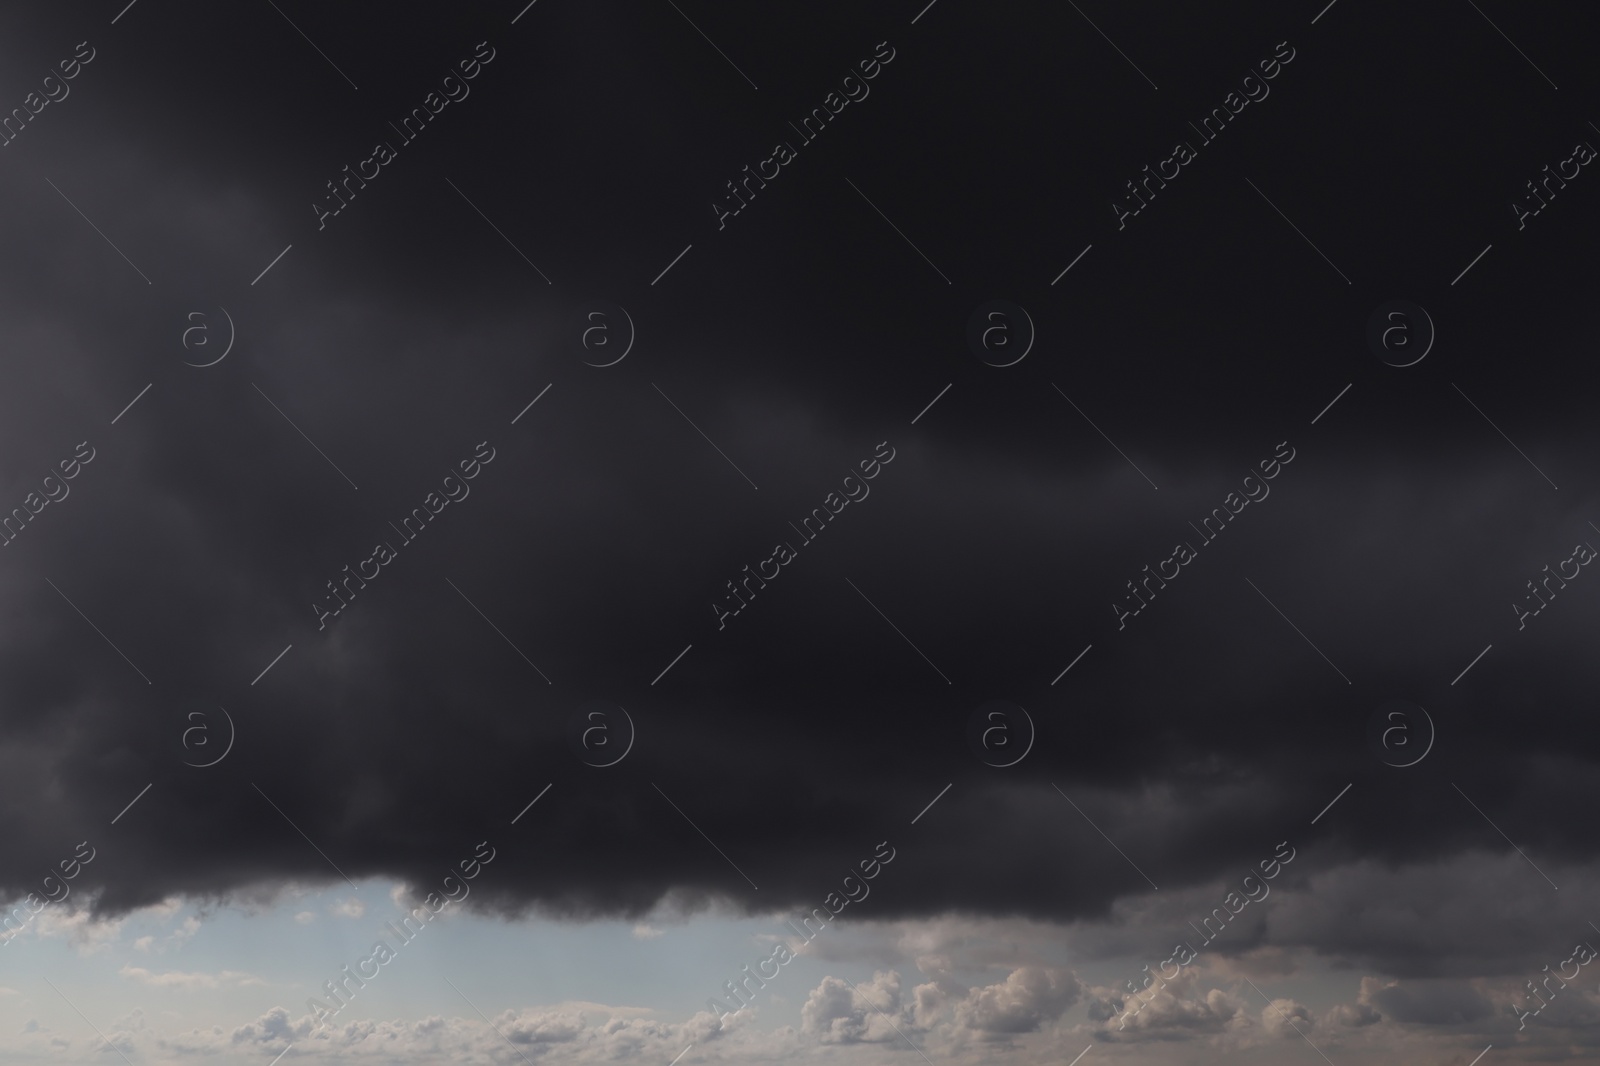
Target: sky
[468,415]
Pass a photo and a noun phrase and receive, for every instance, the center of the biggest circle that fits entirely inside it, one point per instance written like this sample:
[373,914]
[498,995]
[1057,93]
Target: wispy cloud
[180,979]
[348,908]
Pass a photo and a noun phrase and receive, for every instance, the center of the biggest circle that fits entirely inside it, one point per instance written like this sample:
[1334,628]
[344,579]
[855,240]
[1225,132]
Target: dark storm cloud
[407,333]
[1438,1004]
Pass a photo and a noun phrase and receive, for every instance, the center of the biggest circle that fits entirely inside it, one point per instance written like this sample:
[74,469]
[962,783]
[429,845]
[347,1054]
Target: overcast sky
[436,445]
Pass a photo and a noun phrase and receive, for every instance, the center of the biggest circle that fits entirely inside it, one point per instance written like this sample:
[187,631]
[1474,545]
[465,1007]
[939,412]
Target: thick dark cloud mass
[778,349]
